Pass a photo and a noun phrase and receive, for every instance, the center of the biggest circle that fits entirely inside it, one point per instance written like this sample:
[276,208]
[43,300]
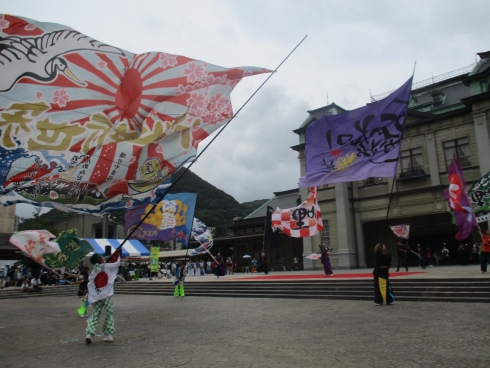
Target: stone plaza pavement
[163,331]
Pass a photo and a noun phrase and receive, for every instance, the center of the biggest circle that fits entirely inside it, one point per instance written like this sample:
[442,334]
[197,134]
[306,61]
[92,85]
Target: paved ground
[154,331]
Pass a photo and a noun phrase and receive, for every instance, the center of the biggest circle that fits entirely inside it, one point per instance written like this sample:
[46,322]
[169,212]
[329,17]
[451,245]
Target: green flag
[73,250]
[155,253]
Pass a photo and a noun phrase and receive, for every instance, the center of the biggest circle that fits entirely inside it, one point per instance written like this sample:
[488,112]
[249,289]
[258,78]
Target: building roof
[331,109]
[439,96]
[432,96]
[482,65]
[285,199]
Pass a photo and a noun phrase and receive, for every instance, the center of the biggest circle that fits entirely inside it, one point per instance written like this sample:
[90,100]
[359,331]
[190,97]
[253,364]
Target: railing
[415,172]
[429,81]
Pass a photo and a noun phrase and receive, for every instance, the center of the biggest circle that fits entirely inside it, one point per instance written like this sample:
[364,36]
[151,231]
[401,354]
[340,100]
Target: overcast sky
[352,48]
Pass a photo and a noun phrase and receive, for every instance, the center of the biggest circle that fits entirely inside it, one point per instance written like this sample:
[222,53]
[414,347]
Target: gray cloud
[352,47]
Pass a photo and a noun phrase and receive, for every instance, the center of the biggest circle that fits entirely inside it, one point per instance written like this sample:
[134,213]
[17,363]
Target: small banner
[202,234]
[155,254]
[402,231]
[458,201]
[302,221]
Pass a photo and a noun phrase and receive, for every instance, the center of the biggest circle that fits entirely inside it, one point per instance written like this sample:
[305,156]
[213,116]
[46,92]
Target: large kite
[90,127]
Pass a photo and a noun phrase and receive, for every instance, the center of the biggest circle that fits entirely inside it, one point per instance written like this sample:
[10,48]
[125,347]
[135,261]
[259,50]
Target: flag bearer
[179,279]
[100,292]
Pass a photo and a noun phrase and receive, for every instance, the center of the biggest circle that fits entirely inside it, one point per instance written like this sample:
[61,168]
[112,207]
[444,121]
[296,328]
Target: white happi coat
[101,281]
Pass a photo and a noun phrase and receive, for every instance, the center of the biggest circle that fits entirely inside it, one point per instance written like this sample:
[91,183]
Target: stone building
[246,237]
[90,226]
[448,117]
[7,225]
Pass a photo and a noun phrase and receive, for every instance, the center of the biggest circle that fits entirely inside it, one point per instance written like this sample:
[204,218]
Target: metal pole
[212,140]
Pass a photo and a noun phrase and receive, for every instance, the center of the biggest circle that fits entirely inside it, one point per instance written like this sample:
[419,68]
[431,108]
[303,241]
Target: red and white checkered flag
[301,221]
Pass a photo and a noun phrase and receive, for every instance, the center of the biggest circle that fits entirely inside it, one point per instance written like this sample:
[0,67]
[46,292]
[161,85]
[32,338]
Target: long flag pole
[394,179]
[212,140]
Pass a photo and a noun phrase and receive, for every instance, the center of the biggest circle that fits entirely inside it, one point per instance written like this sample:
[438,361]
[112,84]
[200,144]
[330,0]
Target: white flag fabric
[101,281]
[35,244]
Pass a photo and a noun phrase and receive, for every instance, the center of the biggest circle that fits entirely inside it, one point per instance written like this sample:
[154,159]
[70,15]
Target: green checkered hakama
[93,320]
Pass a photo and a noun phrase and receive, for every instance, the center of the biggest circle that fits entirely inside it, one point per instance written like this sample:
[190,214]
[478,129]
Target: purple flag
[357,144]
[456,196]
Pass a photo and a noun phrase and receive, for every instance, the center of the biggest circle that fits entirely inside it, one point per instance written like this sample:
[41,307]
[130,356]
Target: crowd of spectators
[22,277]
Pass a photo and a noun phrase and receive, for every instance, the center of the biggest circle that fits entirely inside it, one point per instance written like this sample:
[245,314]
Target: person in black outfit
[462,255]
[83,289]
[402,255]
[382,288]
[265,264]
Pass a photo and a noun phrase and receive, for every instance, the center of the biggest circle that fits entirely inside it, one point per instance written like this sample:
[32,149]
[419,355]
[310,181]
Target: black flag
[269,234]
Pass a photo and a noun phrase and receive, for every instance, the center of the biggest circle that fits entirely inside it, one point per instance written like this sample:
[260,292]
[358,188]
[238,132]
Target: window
[373,181]
[322,187]
[457,149]
[411,162]
[326,233]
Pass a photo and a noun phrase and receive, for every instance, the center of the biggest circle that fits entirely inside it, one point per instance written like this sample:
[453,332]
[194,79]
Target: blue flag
[171,219]
[357,144]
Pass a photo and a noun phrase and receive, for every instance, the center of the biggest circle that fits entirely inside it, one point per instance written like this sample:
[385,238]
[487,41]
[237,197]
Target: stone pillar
[430,141]
[7,224]
[308,245]
[105,227]
[482,141]
[346,240]
[361,251]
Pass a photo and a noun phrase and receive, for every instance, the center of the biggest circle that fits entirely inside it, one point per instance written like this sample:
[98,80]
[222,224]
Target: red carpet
[321,276]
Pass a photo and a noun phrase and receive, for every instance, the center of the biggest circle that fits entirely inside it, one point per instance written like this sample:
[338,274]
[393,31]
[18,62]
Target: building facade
[90,226]
[7,227]
[448,118]
[246,237]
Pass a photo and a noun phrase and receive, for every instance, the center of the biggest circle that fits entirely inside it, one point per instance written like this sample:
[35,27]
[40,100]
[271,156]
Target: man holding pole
[100,292]
[485,251]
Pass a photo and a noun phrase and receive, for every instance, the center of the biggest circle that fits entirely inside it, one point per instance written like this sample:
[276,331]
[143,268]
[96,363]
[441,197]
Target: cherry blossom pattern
[194,72]
[196,103]
[3,23]
[60,97]
[168,60]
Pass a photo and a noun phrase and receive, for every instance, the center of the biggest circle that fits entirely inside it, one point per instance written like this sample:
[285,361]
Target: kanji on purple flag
[458,201]
[357,144]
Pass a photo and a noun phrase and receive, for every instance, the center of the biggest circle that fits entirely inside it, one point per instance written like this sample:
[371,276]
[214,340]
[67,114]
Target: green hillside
[214,207]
